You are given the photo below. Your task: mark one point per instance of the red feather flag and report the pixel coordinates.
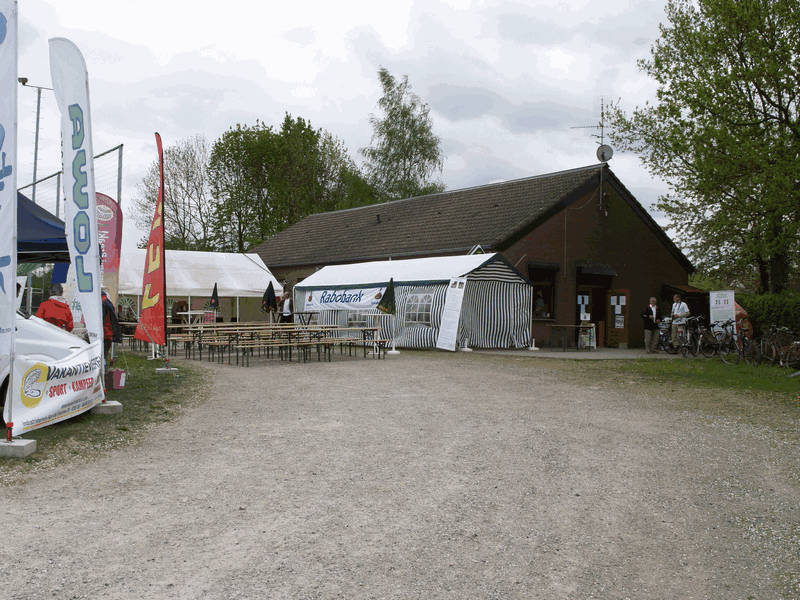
(152, 325)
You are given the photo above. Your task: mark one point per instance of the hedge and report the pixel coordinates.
(772, 309)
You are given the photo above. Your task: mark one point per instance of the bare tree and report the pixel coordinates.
(189, 207)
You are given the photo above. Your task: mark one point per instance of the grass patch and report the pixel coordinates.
(713, 373)
(147, 398)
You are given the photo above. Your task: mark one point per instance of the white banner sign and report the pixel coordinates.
(448, 327)
(48, 392)
(722, 306)
(71, 85)
(343, 299)
(8, 176)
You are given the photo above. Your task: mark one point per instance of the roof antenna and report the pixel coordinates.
(604, 151)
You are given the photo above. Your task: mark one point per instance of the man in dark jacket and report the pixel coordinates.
(651, 316)
(111, 329)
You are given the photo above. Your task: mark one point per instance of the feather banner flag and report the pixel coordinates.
(152, 325)
(8, 185)
(71, 87)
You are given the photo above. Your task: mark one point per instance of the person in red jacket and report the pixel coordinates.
(55, 309)
(111, 328)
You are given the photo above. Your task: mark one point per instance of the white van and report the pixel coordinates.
(41, 341)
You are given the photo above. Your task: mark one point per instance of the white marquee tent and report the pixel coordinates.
(192, 273)
(495, 313)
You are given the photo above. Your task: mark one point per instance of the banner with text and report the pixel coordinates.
(343, 299)
(109, 227)
(451, 315)
(52, 391)
(152, 325)
(8, 175)
(71, 86)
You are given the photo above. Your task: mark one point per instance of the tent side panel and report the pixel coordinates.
(496, 314)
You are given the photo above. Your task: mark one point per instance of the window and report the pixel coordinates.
(418, 309)
(544, 292)
(356, 319)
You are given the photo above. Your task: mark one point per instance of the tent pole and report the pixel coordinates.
(237, 309)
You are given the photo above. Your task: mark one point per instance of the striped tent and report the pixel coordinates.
(495, 312)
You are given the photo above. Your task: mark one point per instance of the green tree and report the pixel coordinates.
(189, 207)
(404, 153)
(724, 134)
(266, 180)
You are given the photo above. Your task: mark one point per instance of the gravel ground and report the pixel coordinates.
(428, 475)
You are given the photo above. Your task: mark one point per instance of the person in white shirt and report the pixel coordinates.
(286, 313)
(679, 313)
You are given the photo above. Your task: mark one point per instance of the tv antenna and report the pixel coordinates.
(604, 151)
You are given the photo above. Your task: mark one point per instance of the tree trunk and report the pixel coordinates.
(778, 271)
(763, 276)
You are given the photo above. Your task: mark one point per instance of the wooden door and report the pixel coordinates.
(618, 318)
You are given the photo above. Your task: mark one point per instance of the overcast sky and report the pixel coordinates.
(506, 81)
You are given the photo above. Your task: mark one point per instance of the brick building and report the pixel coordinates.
(585, 254)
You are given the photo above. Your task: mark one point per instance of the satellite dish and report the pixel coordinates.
(604, 153)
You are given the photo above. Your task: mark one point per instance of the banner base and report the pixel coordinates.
(17, 448)
(109, 407)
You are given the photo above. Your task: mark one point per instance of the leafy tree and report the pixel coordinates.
(404, 152)
(266, 180)
(188, 204)
(240, 218)
(724, 134)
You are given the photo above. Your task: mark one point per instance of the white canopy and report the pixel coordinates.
(436, 268)
(191, 273)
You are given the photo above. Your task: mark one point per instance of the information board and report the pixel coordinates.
(722, 306)
(448, 328)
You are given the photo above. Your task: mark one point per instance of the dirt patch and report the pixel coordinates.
(428, 475)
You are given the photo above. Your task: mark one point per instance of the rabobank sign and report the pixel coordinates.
(343, 299)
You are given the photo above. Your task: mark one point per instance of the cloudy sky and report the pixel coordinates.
(506, 81)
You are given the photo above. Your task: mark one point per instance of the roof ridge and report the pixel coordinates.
(472, 187)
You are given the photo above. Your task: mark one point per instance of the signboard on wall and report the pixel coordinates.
(448, 328)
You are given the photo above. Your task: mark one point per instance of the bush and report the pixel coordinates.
(772, 309)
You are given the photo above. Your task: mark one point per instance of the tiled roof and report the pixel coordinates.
(448, 222)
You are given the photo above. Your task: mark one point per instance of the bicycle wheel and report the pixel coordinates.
(751, 352)
(729, 352)
(708, 345)
(793, 357)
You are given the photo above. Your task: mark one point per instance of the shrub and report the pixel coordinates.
(772, 309)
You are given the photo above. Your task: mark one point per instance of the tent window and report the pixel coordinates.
(356, 319)
(418, 309)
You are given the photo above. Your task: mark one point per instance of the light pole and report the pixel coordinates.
(39, 88)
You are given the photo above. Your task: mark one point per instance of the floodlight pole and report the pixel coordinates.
(39, 88)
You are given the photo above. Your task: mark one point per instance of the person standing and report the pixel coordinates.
(111, 329)
(679, 313)
(651, 317)
(55, 309)
(286, 311)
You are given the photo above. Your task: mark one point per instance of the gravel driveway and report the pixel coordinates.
(428, 475)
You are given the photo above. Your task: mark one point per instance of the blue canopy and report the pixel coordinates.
(40, 235)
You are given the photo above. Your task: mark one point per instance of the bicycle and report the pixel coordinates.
(728, 343)
(707, 344)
